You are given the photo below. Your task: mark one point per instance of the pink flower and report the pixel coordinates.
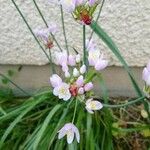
(61, 58)
(52, 28)
(55, 80)
(71, 131)
(88, 86)
(71, 60)
(96, 59)
(101, 64)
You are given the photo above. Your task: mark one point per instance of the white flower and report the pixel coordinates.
(75, 72)
(55, 80)
(71, 131)
(62, 91)
(146, 74)
(83, 69)
(93, 105)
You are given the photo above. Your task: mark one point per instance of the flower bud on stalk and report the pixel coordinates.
(146, 78)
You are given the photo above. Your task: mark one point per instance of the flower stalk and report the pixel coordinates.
(63, 27)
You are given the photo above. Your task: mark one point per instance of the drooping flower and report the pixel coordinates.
(96, 59)
(71, 131)
(146, 74)
(92, 105)
(44, 35)
(62, 91)
(146, 78)
(55, 80)
(88, 86)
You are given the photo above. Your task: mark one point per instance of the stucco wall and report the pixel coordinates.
(126, 21)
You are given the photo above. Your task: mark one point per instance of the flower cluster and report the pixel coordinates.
(146, 78)
(82, 10)
(45, 35)
(77, 83)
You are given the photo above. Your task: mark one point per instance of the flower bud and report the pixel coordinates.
(75, 72)
(83, 69)
(78, 58)
(71, 60)
(67, 74)
(80, 81)
(81, 91)
(55, 80)
(88, 86)
(65, 67)
(144, 113)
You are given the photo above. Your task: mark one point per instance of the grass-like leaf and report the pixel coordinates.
(45, 124)
(109, 42)
(18, 119)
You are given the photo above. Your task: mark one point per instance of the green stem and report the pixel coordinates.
(84, 47)
(53, 68)
(30, 29)
(64, 31)
(90, 78)
(126, 104)
(2, 75)
(99, 13)
(46, 23)
(75, 109)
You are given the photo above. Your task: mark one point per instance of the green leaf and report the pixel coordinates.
(58, 125)
(109, 42)
(88, 130)
(18, 119)
(45, 124)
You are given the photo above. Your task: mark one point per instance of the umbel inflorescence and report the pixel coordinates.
(77, 84)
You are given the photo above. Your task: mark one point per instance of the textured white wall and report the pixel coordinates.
(126, 21)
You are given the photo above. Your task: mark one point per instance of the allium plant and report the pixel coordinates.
(70, 108)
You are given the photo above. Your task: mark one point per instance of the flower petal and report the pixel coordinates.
(70, 137)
